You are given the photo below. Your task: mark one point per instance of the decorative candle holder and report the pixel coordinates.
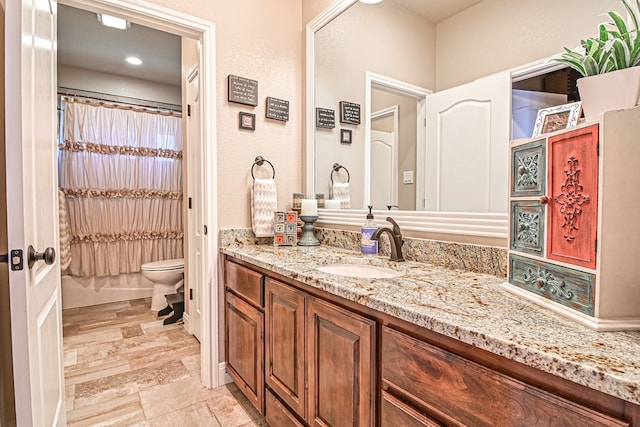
(308, 238)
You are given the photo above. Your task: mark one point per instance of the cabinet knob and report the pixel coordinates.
(521, 170)
(544, 200)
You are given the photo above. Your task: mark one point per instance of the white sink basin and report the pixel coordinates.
(363, 271)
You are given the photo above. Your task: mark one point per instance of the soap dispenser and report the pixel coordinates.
(368, 246)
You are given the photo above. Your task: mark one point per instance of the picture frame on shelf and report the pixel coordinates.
(557, 118)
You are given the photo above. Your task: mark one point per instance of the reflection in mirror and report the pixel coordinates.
(392, 41)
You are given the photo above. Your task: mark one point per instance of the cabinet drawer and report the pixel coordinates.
(277, 415)
(396, 413)
(527, 227)
(244, 282)
(528, 172)
(457, 391)
(571, 288)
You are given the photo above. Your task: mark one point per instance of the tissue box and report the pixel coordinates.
(285, 228)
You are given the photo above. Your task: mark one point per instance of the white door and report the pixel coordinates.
(384, 170)
(32, 212)
(468, 146)
(195, 274)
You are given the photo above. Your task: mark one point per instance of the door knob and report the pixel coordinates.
(48, 256)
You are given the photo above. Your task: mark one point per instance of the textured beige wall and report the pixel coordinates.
(384, 39)
(260, 40)
(497, 35)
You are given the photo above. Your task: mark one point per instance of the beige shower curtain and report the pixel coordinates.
(121, 172)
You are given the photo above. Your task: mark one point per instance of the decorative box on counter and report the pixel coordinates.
(285, 228)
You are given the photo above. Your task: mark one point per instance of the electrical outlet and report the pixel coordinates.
(407, 177)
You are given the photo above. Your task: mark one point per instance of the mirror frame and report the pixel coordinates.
(473, 225)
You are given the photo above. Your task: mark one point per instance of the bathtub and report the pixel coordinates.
(86, 291)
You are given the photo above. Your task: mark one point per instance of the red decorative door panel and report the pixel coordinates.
(573, 197)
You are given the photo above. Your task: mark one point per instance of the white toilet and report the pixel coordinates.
(166, 276)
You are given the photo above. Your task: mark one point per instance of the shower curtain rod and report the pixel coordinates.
(64, 91)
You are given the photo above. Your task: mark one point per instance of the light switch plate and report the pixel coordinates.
(407, 177)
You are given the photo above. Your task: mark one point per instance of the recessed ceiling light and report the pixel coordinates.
(133, 60)
(370, 1)
(113, 22)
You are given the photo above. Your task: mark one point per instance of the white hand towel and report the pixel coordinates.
(264, 202)
(65, 232)
(341, 192)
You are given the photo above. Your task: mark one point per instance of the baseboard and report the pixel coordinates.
(223, 377)
(187, 324)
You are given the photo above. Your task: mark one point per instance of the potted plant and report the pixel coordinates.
(609, 65)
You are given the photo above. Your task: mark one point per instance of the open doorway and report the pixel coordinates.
(156, 91)
(184, 25)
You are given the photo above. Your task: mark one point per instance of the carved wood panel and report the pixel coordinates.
(573, 198)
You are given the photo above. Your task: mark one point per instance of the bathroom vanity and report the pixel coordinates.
(431, 347)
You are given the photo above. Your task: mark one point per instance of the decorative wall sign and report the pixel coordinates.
(349, 113)
(345, 136)
(277, 109)
(247, 121)
(242, 90)
(325, 118)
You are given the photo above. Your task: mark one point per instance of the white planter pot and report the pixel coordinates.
(610, 91)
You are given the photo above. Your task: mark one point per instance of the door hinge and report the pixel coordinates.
(191, 293)
(14, 259)
(206, 230)
(188, 110)
(190, 200)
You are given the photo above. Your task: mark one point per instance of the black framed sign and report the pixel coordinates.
(325, 118)
(349, 113)
(277, 109)
(242, 90)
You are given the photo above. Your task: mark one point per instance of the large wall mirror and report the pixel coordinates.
(386, 57)
(381, 58)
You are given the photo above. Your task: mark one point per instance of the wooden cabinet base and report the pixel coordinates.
(277, 415)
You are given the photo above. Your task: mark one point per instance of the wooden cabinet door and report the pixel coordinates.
(341, 366)
(245, 349)
(285, 344)
(573, 198)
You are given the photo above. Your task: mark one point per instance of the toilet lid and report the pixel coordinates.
(167, 264)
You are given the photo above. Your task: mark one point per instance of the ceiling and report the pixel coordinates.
(84, 43)
(437, 10)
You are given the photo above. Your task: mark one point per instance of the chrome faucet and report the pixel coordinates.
(395, 239)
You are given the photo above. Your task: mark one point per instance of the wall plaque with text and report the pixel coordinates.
(277, 109)
(325, 118)
(243, 90)
(349, 113)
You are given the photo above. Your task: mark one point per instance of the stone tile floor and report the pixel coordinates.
(124, 368)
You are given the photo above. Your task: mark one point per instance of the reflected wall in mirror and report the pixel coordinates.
(392, 41)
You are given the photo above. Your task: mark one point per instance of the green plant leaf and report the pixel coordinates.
(621, 54)
(576, 65)
(632, 13)
(590, 66)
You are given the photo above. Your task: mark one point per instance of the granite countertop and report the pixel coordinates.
(472, 308)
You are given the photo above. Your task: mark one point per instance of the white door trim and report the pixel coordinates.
(392, 111)
(171, 21)
(378, 81)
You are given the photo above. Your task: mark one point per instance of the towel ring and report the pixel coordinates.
(336, 167)
(260, 161)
